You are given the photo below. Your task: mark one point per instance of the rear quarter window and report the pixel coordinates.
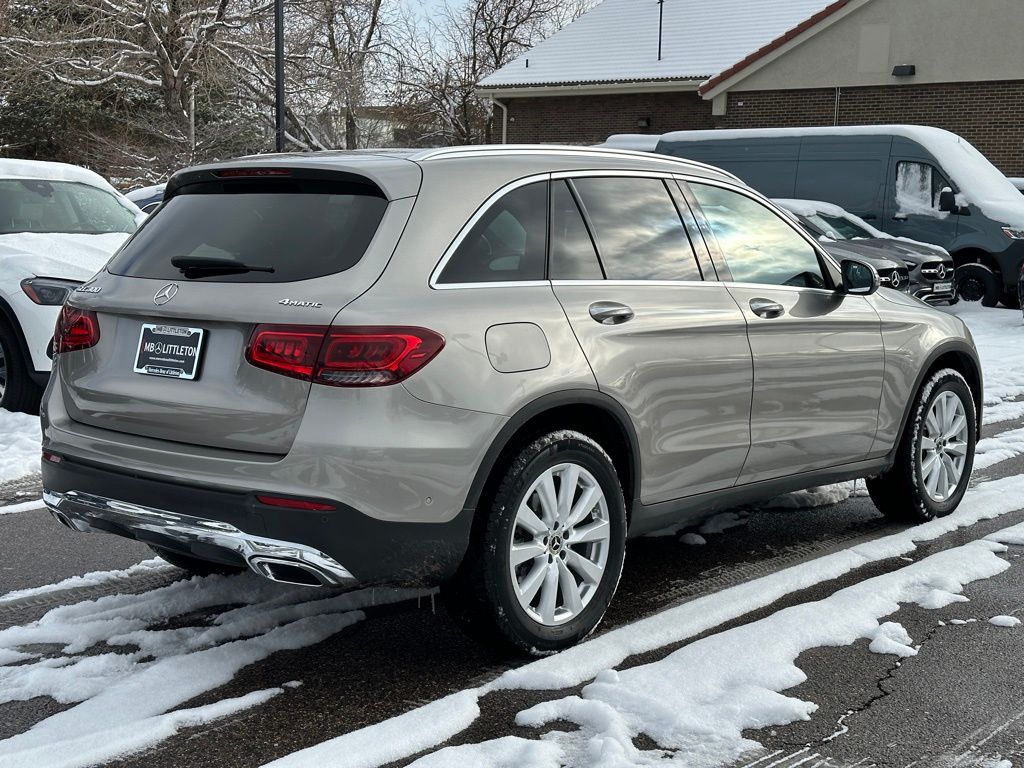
(299, 229)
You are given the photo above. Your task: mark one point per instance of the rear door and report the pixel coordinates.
(818, 355)
(171, 362)
(670, 346)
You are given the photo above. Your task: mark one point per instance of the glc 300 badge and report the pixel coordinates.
(296, 303)
(88, 289)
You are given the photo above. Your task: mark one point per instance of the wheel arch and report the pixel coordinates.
(973, 255)
(591, 412)
(959, 356)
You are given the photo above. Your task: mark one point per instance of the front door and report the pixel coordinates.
(818, 355)
(668, 346)
(912, 203)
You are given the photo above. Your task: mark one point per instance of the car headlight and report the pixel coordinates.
(48, 291)
(1014, 233)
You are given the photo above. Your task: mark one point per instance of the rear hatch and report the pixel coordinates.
(233, 251)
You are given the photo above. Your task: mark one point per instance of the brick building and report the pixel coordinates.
(644, 66)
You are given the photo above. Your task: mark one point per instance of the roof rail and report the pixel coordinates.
(558, 149)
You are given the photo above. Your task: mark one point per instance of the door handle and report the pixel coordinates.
(610, 312)
(767, 308)
(900, 217)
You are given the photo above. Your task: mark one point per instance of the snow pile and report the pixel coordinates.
(126, 673)
(1005, 621)
(1001, 447)
(21, 436)
(696, 702)
(817, 496)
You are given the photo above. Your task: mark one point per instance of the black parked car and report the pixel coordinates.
(929, 267)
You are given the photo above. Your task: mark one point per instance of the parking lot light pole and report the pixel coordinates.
(279, 73)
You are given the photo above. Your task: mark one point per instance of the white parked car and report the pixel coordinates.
(59, 224)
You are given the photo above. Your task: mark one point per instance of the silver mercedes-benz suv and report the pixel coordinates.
(484, 368)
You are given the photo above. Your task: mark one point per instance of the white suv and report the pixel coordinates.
(58, 226)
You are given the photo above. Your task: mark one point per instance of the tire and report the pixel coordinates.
(1011, 299)
(195, 565)
(976, 282)
(493, 600)
(902, 493)
(17, 390)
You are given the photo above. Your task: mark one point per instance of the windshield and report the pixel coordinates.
(35, 205)
(839, 226)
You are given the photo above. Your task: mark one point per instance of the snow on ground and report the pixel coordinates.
(127, 662)
(998, 336)
(21, 438)
(697, 701)
(23, 506)
(146, 567)
(1005, 621)
(602, 725)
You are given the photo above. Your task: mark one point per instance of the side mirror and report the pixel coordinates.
(947, 201)
(859, 279)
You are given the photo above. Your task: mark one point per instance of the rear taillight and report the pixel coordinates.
(290, 350)
(76, 329)
(363, 356)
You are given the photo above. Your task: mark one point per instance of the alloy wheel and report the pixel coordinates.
(943, 450)
(560, 544)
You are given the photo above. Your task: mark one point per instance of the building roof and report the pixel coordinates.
(617, 41)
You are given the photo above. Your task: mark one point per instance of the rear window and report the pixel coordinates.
(297, 229)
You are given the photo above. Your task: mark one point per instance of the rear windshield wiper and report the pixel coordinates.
(200, 265)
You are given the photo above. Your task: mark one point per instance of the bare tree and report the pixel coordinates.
(148, 46)
(437, 64)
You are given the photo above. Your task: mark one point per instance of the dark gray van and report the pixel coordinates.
(909, 181)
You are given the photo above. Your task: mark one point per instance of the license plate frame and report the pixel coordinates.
(169, 351)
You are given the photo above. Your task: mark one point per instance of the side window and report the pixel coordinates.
(757, 245)
(507, 243)
(918, 186)
(573, 255)
(637, 228)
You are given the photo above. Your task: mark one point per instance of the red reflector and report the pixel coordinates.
(53, 458)
(372, 356)
(237, 173)
(76, 329)
(290, 350)
(279, 501)
(359, 356)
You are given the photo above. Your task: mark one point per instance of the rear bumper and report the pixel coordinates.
(340, 548)
(85, 512)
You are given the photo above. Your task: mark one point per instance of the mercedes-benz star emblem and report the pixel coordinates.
(165, 294)
(941, 271)
(895, 280)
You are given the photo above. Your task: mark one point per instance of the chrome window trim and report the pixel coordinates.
(612, 172)
(671, 283)
(467, 228)
(494, 284)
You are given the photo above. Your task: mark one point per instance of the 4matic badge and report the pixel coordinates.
(297, 303)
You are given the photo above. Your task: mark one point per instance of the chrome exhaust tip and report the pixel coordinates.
(289, 572)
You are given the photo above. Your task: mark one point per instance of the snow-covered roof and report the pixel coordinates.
(617, 41)
(39, 169)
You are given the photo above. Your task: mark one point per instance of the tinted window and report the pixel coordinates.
(507, 243)
(34, 205)
(757, 245)
(573, 256)
(299, 229)
(638, 230)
